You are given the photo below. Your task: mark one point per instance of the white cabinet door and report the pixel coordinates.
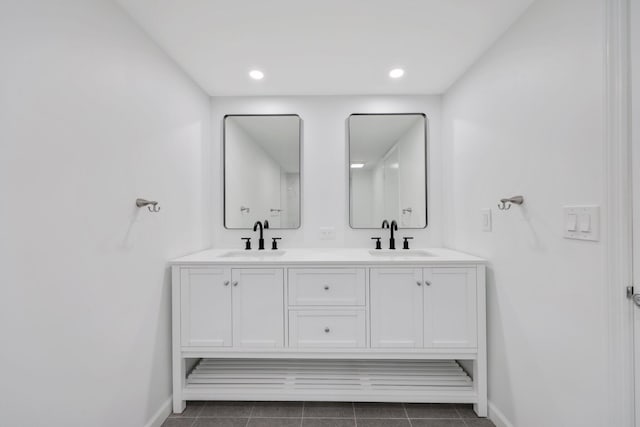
(450, 312)
(396, 307)
(205, 307)
(258, 307)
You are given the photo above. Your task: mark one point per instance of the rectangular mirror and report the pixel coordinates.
(262, 170)
(388, 173)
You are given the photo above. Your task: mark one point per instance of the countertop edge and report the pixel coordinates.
(213, 257)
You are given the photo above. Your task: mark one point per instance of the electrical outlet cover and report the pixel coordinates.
(327, 233)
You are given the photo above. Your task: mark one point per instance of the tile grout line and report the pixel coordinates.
(253, 405)
(253, 408)
(404, 406)
(458, 412)
(195, 419)
(312, 418)
(355, 419)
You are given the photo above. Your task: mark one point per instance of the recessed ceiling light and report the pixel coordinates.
(256, 74)
(357, 165)
(396, 73)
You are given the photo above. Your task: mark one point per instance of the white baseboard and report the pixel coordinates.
(161, 415)
(498, 417)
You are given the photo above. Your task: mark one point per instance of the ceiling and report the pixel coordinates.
(328, 47)
(278, 136)
(372, 136)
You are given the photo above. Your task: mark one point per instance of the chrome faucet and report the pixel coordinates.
(393, 227)
(257, 225)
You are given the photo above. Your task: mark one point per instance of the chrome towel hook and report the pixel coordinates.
(505, 204)
(152, 205)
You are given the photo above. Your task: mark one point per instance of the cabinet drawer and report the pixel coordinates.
(327, 286)
(327, 328)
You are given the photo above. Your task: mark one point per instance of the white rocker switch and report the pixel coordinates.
(572, 222)
(585, 223)
(486, 219)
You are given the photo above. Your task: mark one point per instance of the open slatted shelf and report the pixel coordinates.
(335, 380)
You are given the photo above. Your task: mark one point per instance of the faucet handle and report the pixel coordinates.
(378, 244)
(247, 243)
(405, 245)
(274, 244)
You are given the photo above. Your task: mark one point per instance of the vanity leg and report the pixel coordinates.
(480, 364)
(480, 374)
(179, 364)
(179, 371)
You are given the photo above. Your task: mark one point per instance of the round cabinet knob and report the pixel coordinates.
(226, 283)
(428, 283)
(326, 287)
(327, 330)
(418, 283)
(235, 283)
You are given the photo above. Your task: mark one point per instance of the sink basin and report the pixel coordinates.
(400, 253)
(253, 254)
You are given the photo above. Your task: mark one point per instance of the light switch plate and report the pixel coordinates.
(582, 222)
(485, 219)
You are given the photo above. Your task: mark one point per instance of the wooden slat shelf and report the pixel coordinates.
(349, 380)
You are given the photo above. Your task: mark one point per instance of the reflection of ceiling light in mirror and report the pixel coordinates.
(357, 165)
(256, 74)
(394, 166)
(396, 73)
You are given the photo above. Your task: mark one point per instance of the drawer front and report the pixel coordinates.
(326, 286)
(327, 328)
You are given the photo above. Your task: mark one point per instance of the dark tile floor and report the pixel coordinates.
(325, 414)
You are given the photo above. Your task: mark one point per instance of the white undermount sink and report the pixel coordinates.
(253, 254)
(401, 253)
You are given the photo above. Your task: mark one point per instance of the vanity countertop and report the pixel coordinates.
(327, 256)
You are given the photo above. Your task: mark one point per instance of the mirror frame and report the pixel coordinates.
(426, 164)
(224, 166)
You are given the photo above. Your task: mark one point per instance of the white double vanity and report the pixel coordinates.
(330, 325)
(368, 325)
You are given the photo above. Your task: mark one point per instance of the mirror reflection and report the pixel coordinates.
(387, 180)
(262, 170)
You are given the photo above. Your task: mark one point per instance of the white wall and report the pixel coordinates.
(527, 119)
(324, 169)
(635, 70)
(635, 168)
(92, 115)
